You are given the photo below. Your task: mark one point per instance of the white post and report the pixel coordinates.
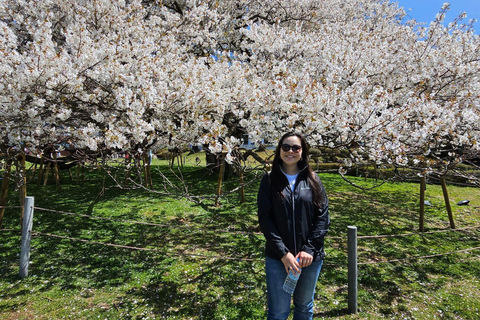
(26, 236)
(352, 270)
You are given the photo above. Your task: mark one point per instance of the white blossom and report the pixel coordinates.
(130, 75)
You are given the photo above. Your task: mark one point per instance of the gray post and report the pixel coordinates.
(26, 236)
(352, 270)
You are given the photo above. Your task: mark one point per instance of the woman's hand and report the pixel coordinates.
(304, 259)
(291, 264)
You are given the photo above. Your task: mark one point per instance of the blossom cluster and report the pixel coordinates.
(136, 75)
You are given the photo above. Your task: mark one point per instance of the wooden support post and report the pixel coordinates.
(149, 169)
(447, 202)
(128, 165)
(23, 181)
(145, 169)
(220, 179)
(173, 157)
(80, 172)
(422, 204)
(242, 189)
(41, 171)
(47, 172)
(56, 170)
(5, 183)
(34, 171)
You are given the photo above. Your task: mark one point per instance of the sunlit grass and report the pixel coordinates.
(193, 260)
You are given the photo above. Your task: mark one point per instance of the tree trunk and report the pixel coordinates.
(5, 183)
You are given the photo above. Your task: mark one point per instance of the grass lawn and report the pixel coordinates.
(180, 259)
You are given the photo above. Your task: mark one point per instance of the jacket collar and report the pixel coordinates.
(300, 172)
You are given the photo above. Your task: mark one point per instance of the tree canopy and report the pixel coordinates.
(135, 75)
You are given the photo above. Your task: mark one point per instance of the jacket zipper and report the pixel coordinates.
(293, 215)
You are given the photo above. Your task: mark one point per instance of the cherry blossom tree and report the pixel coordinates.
(128, 76)
(393, 92)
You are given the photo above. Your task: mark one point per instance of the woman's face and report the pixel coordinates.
(292, 155)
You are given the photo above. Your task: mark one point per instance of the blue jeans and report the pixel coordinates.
(279, 300)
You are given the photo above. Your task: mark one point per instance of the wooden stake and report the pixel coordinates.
(220, 179)
(56, 171)
(422, 204)
(40, 172)
(23, 183)
(149, 171)
(34, 171)
(145, 169)
(447, 202)
(78, 172)
(47, 172)
(242, 189)
(128, 164)
(5, 183)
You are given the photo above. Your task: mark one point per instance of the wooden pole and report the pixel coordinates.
(47, 172)
(145, 170)
(422, 204)
(242, 189)
(78, 172)
(220, 179)
(23, 182)
(26, 236)
(34, 171)
(128, 164)
(41, 171)
(173, 156)
(5, 183)
(447, 202)
(56, 170)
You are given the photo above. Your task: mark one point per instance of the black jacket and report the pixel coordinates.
(292, 223)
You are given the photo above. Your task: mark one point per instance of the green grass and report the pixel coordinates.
(204, 262)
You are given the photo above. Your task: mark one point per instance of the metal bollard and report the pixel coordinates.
(352, 270)
(26, 236)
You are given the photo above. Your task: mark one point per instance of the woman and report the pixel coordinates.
(293, 216)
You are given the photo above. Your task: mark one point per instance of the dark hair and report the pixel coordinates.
(277, 180)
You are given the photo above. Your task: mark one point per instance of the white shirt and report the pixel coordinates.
(291, 179)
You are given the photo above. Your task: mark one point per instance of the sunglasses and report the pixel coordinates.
(287, 147)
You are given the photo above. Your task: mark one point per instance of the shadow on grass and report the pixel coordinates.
(186, 287)
(159, 278)
(175, 284)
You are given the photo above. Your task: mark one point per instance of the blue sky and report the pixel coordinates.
(426, 10)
